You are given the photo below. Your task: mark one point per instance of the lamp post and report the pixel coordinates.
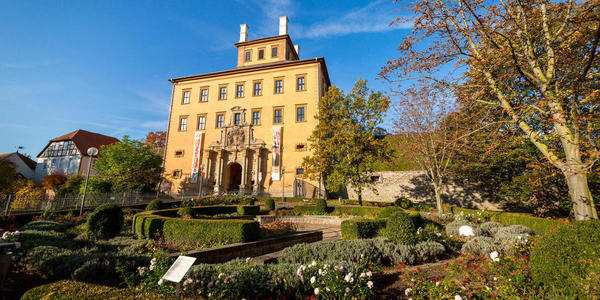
(283, 184)
(91, 152)
(200, 181)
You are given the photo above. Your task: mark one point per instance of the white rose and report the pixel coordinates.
(494, 256)
(316, 291)
(458, 297)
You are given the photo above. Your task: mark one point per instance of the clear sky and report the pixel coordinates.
(103, 66)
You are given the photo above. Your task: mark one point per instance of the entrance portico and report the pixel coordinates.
(236, 162)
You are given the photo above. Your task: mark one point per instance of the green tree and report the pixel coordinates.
(129, 165)
(345, 143)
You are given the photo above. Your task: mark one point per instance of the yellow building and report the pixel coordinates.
(245, 130)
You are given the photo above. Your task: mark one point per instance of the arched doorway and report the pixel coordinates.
(234, 176)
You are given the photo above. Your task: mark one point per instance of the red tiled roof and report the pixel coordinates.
(28, 161)
(84, 140)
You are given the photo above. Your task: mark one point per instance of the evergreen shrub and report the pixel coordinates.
(361, 228)
(105, 222)
(248, 210)
(400, 228)
(567, 261)
(155, 204)
(186, 212)
(270, 204)
(321, 207)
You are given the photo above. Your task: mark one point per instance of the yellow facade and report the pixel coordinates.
(236, 153)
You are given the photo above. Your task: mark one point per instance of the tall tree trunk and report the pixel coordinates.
(583, 203)
(360, 196)
(437, 190)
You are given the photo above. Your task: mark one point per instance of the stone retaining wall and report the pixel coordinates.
(251, 249)
(314, 220)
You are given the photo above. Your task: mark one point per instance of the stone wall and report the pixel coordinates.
(414, 185)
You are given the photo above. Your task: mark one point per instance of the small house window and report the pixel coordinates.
(257, 88)
(278, 86)
(277, 116)
(237, 119)
(179, 153)
(183, 124)
(222, 93)
(375, 178)
(176, 173)
(300, 147)
(186, 97)
(274, 52)
(248, 55)
(261, 54)
(204, 95)
(256, 118)
(300, 84)
(201, 122)
(239, 91)
(299, 114)
(299, 171)
(220, 120)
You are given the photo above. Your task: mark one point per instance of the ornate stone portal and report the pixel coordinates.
(236, 162)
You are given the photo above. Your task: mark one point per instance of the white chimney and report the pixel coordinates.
(283, 25)
(243, 33)
(297, 47)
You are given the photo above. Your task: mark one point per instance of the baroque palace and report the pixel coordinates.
(245, 130)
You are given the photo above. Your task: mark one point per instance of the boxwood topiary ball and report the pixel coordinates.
(567, 261)
(270, 204)
(400, 228)
(105, 222)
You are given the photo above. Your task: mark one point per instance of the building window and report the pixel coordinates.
(273, 51)
(277, 115)
(300, 147)
(237, 119)
(203, 95)
(176, 173)
(239, 90)
(201, 122)
(248, 55)
(223, 93)
(220, 118)
(278, 86)
(375, 178)
(183, 124)
(186, 97)
(257, 88)
(256, 118)
(261, 53)
(299, 171)
(300, 83)
(300, 114)
(179, 153)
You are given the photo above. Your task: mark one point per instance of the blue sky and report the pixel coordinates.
(103, 65)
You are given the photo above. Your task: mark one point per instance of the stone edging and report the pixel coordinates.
(315, 220)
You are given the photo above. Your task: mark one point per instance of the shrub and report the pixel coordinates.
(210, 231)
(105, 222)
(46, 225)
(429, 251)
(155, 204)
(248, 210)
(512, 234)
(361, 228)
(68, 289)
(321, 207)
(33, 238)
(270, 204)
(567, 261)
(186, 212)
(490, 228)
(387, 212)
(452, 227)
(400, 228)
(403, 203)
(481, 246)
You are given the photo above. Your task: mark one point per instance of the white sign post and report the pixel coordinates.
(178, 270)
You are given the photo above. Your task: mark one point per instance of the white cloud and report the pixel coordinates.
(374, 17)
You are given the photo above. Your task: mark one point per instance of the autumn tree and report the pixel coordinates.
(427, 116)
(129, 165)
(7, 177)
(54, 181)
(156, 140)
(345, 143)
(533, 63)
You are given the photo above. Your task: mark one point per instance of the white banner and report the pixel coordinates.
(196, 156)
(276, 166)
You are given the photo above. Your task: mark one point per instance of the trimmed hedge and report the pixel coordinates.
(69, 289)
(270, 204)
(361, 228)
(105, 221)
(248, 210)
(567, 261)
(149, 224)
(155, 204)
(400, 228)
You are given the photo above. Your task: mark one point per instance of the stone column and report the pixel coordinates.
(209, 162)
(219, 172)
(256, 188)
(245, 169)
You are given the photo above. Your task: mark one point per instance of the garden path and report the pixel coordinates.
(330, 233)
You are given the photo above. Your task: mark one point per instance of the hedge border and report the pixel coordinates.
(361, 228)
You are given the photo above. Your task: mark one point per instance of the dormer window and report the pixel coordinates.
(248, 55)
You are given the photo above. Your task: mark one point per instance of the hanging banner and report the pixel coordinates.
(276, 166)
(196, 156)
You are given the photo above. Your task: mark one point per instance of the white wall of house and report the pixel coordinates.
(20, 166)
(68, 165)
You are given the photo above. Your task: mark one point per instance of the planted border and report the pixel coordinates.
(361, 228)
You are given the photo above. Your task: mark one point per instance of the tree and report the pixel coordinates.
(533, 63)
(54, 181)
(7, 177)
(428, 118)
(156, 140)
(345, 143)
(130, 165)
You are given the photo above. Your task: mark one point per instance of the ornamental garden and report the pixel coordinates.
(391, 251)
